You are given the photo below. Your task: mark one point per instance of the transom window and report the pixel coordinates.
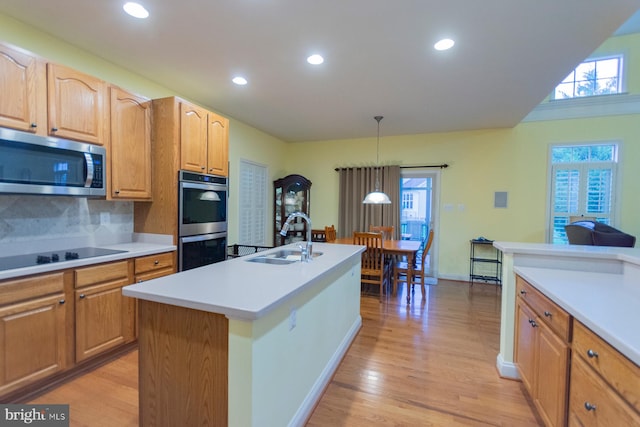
(601, 76)
(582, 185)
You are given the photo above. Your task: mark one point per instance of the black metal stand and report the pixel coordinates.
(483, 253)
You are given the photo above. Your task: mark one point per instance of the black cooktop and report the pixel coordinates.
(29, 260)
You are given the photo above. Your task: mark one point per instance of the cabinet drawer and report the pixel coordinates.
(143, 277)
(593, 403)
(154, 262)
(548, 311)
(101, 273)
(31, 287)
(620, 372)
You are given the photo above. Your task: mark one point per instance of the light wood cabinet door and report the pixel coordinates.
(552, 376)
(193, 138)
(77, 105)
(525, 345)
(218, 145)
(32, 341)
(22, 85)
(105, 318)
(130, 146)
(542, 352)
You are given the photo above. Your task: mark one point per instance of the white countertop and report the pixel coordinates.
(133, 250)
(241, 289)
(608, 304)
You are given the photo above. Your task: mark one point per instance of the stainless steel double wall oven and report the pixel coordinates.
(202, 219)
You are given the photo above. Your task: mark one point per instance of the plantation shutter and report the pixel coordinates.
(253, 204)
(584, 189)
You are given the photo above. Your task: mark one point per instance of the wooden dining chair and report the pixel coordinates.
(318, 235)
(387, 231)
(401, 269)
(330, 233)
(373, 268)
(388, 234)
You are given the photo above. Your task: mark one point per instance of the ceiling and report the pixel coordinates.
(379, 56)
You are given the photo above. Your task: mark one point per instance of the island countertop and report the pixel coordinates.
(244, 290)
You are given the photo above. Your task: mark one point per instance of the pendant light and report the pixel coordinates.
(377, 197)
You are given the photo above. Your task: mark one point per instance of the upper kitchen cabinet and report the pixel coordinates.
(77, 105)
(130, 159)
(218, 145)
(23, 89)
(193, 138)
(204, 140)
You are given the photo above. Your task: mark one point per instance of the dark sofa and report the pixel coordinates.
(597, 234)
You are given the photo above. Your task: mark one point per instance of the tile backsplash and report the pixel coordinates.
(27, 218)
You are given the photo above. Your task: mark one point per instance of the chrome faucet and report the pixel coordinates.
(307, 251)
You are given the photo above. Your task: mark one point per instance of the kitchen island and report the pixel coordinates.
(597, 285)
(245, 343)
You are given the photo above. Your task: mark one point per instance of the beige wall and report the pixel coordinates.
(481, 162)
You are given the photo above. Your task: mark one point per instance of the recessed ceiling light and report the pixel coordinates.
(444, 44)
(239, 80)
(136, 10)
(315, 59)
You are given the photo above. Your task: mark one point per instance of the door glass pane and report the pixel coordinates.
(415, 214)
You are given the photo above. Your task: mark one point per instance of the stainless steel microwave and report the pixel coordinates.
(33, 164)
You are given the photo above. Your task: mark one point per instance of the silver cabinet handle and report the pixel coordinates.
(589, 406)
(61, 301)
(592, 353)
(156, 262)
(523, 292)
(82, 296)
(54, 129)
(33, 125)
(547, 314)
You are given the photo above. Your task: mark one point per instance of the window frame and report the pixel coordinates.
(616, 190)
(622, 77)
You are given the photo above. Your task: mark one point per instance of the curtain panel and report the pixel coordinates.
(355, 183)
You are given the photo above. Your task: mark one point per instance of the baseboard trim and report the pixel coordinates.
(315, 394)
(506, 369)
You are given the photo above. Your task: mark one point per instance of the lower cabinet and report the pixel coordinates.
(542, 352)
(105, 318)
(52, 322)
(154, 266)
(574, 377)
(605, 386)
(33, 336)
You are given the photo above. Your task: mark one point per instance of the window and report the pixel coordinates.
(252, 203)
(407, 200)
(602, 76)
(583, 184)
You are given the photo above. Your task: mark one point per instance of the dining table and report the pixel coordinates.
(393, 249)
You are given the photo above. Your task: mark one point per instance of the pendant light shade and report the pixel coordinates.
(377, 197)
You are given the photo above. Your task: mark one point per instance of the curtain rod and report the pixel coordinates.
(442, 166)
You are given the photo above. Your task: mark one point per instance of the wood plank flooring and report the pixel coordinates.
(429, 363)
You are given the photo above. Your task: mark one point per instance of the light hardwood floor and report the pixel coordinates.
(429, 363)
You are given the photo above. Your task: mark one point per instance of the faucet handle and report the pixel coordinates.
(304, 253)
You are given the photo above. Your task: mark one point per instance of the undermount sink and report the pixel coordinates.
(282, 257)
